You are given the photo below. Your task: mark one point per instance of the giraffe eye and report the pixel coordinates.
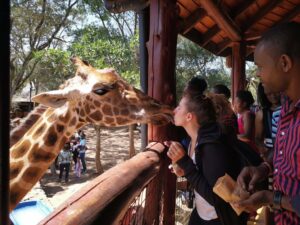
(101, 91)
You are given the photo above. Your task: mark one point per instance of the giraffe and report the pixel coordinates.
(92, 96)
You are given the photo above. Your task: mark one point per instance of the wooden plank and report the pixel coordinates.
(221, 18)
(162, 86)
(188, 23)
(291, 15)
(260, 14)
(90, 202)
(238, 68)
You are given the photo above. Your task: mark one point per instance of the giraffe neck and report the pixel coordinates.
(17, 133)
(33, 154)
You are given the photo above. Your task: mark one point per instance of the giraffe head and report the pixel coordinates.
(102, 97)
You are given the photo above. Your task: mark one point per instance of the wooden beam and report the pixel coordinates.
(206, 37)
(221, 18)
(195, 36)
(187, 24)
(252, 36)
(242, 8)
(260, 14)
(224, 45)
(238, 76)
(291, 15)
(215, 29)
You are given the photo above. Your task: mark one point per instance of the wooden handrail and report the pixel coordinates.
(106, 199)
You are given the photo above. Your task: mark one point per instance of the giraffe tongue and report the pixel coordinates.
(162, 119)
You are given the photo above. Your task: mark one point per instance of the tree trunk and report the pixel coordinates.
(98, 150)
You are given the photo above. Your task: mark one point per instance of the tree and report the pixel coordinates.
(36, 26)
(193, 60)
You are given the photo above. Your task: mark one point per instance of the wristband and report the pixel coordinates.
(277, 200)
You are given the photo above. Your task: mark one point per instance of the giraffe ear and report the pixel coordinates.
(54, 99)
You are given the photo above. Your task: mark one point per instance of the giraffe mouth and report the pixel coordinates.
(162, 119)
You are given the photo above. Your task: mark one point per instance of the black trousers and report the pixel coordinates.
(195, 219)
(62, 167)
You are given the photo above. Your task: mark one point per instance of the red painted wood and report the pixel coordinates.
(161, 86)
(238, 76)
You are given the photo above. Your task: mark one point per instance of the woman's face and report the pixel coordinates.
(180, 113)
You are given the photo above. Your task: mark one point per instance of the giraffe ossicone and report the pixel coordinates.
(93, 96)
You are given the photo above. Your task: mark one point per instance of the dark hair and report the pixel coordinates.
(245, 96)
(197, 102)
(262, 97)
(284, 39)
(222, 89)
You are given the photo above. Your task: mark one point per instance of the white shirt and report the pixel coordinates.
(205, 210)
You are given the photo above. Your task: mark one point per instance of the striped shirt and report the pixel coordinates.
(287, 160)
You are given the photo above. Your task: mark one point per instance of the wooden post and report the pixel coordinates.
(238, 76)
(161, 86)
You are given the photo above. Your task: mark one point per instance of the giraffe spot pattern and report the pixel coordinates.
(124, 112)
(133, 108)
(39, 155)
(51, 138)
(52, 118)
(109, 120)
(14, 195)
(65, 118)
(116, 111)
(73, 122)
(106, 109)
(92, 107)
(39, 131)
(96, 116)
(121, 120)
(15, 168)
(31, 173)
(32, 120)
(21, 149)
(97, 104)
(82, 113)
(87, 109)
(60, 128)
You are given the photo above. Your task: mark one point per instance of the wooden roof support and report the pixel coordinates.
(210, 34)
(187, 24)
(242, 7)
(291, 15)
(260, 14)
(162, 86)
(223, 45)
(238, 67)
(221, 18)
(215, 29)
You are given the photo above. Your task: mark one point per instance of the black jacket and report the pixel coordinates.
(214, 158)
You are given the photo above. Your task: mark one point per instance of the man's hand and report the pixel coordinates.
(175, 151)
(255, 201)
(251, 176)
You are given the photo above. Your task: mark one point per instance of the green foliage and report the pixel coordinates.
(102, 49)
(195, 61)
(53, 69)
(37, 26)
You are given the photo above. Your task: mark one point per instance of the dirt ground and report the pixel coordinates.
(114, 150)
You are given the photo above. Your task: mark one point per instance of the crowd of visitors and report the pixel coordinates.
(73, 153)
(273, 131)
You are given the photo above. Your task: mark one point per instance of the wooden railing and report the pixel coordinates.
(110, 198)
